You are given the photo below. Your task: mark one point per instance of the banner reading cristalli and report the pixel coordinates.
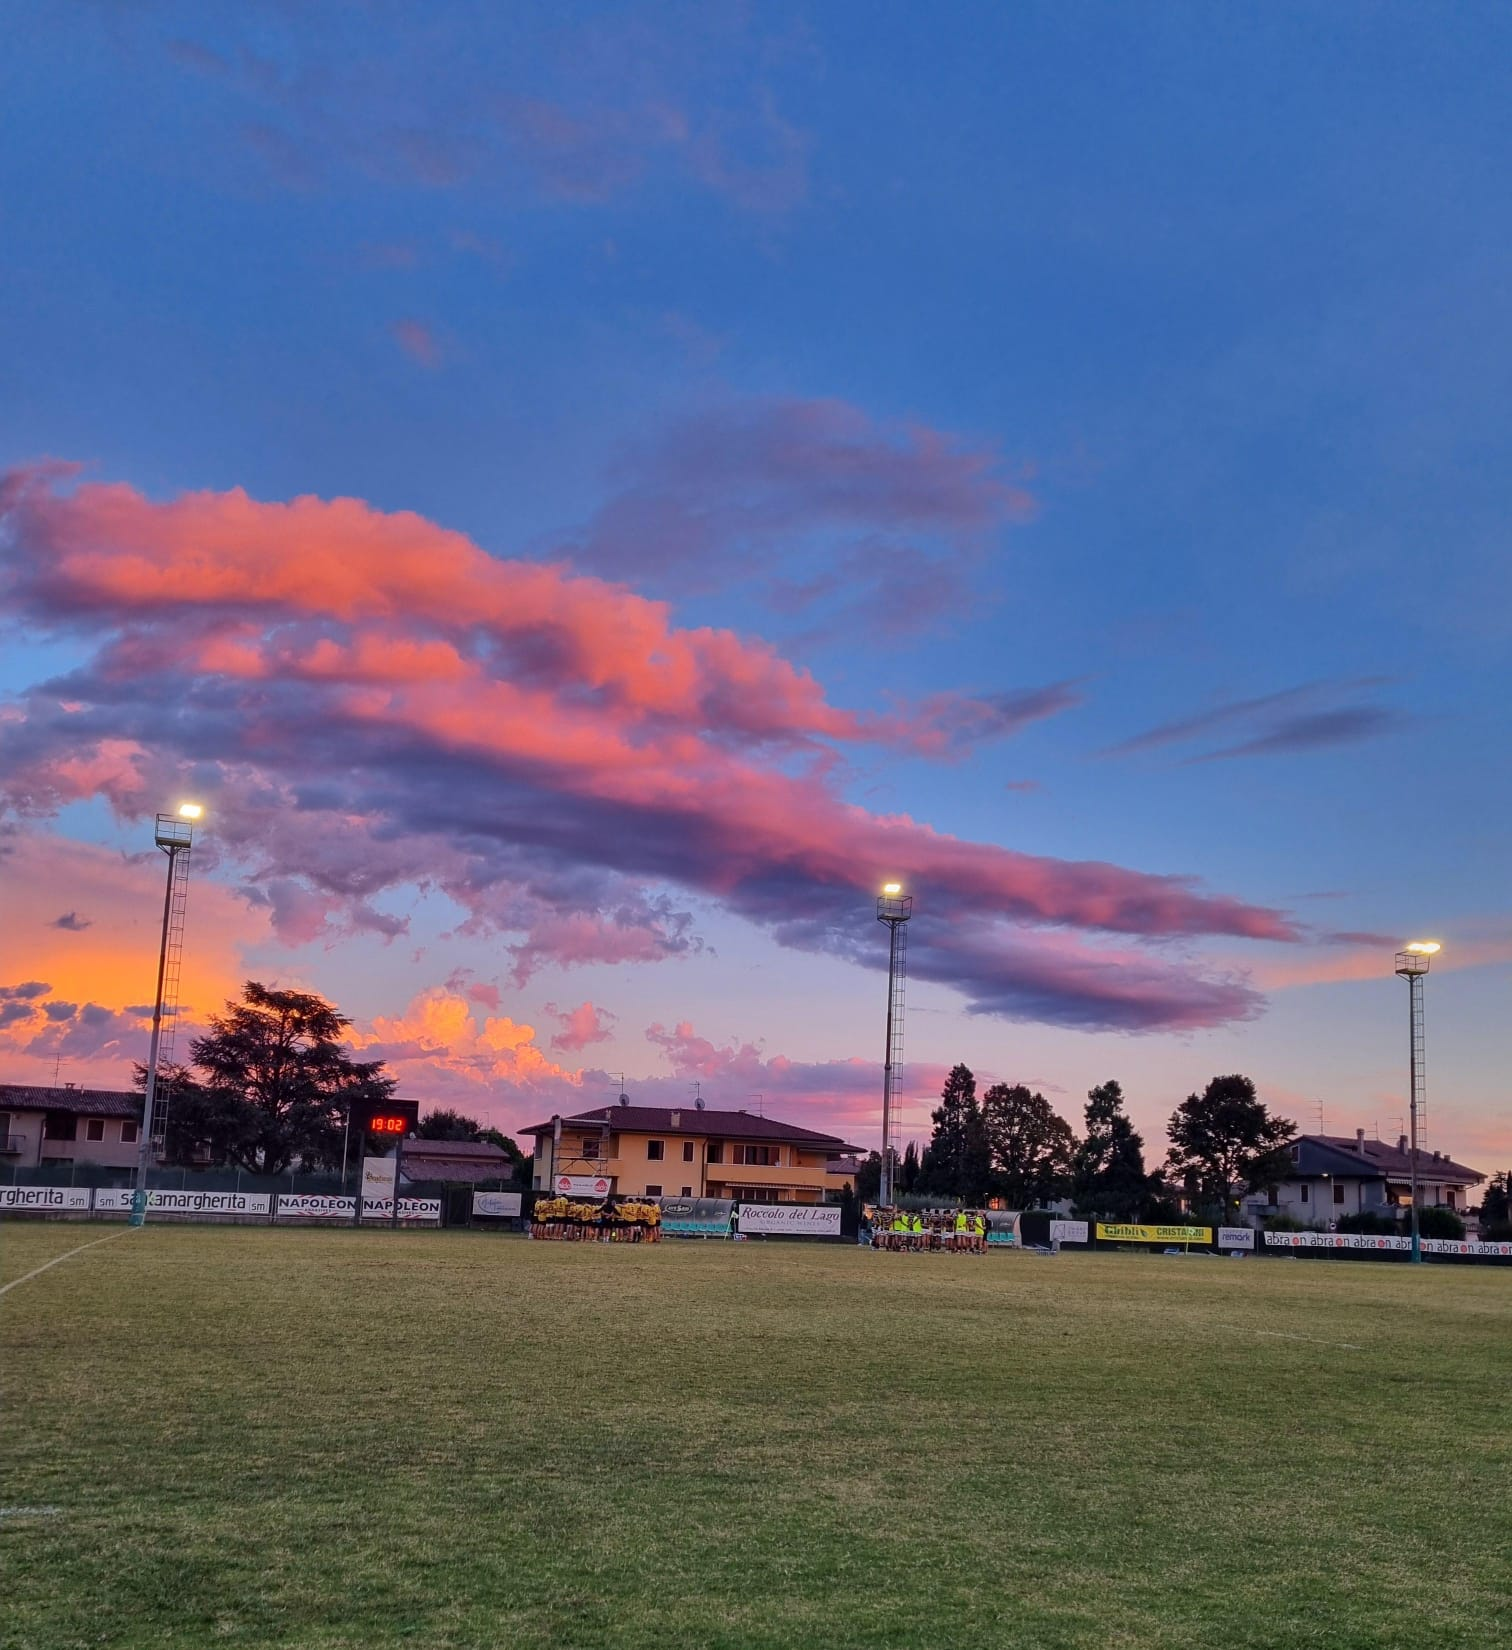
(1110, 1233)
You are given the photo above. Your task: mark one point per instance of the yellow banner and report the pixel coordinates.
(1156, 1234)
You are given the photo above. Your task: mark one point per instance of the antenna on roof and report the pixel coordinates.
(758, 1098)
(57, 1066)
(1319, 1105)
(624, 1099)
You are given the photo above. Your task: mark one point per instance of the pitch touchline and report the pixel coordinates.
(1281, 1335)
(6, 1288)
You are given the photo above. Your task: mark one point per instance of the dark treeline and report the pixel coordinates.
(1011, 1143)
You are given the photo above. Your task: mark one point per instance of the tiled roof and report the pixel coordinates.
(710, 1125)
(456, 1160)
(1339, 1154)
(81, 1102)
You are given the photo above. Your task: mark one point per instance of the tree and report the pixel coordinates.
(869, 1177)
(908, 1173)
(1032, 1148)
(274, 1084)
(445, 1124)
(1496, 1209)
(1224, 1143)
(957, 1161)
(1108, 1176)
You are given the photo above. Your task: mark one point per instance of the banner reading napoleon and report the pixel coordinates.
(1154, 1234)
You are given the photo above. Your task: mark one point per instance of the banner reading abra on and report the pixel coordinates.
(1155, 1234)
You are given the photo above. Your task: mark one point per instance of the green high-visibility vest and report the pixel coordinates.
(961, 1222)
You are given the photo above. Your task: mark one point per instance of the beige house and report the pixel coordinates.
(1334, 1175)
(68, 1125)
(688, 1151)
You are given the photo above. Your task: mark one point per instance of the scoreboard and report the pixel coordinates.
(389, 1119)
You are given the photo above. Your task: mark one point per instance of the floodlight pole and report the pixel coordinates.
(175, 836)
(1412, 966)
(894, 907)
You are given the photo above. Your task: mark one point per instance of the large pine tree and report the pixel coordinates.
(956, 1161)
(1108, 1177)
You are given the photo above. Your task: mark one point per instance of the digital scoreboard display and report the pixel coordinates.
(390, 1119)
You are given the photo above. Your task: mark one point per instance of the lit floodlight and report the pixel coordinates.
(192, 810)
(892, 887)
(1424, 948)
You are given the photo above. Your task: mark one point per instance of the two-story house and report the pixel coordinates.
(689, 1151)
(1334, 1176)
(68, 1125)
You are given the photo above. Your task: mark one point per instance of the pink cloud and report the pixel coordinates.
(418, 341)
(371, 703)
(581, 1026)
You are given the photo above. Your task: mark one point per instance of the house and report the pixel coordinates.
(462, 1162)
(688, 1151)
(1335, 1175)
(68, 1124)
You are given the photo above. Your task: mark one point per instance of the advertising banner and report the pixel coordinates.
(1154, 1234)
(314, 1206)
(496, 1205)
(45, 1199)
(410, 1208)
(792, 1219)
(581, 1185)
(187, 1203)
(378, 1176)
(1334, 1240)
(1068, 1231)
(1464, 1246)
(1236, 1237)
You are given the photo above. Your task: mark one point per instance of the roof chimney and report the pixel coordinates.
(1401, 1142)
(1360, 1141)
(675, 1121)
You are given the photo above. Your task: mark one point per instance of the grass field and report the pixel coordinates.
(244, 1437)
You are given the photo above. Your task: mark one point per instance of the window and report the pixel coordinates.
(1304, 1194)
(653, 1191)
(656, 1150)
(716, 1151)
(128, 1134)
(60, 1125)
(94, 1128)
(687, 1191)
(591, 1148)
(687, 1151)
(1338, 1192)
(1449, 1198)
(766, 1156)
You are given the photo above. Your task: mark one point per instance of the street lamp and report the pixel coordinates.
(1412, 965)
(894, 907)
(174, 834)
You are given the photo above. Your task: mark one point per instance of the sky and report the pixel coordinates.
(584, 494)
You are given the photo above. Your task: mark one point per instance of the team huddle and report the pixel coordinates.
(964, 1232)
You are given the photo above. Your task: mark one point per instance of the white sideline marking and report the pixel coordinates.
(37, 1272)
(1281, 1335)
(29, 1512)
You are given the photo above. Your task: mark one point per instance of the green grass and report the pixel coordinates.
(322, 1439)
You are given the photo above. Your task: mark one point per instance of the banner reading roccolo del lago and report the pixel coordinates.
(798, 1219)
(1155, 1234)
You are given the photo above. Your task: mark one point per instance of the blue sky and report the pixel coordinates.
(1186, 326)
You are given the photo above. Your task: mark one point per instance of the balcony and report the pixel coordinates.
(12, 1145)
(810, 1177)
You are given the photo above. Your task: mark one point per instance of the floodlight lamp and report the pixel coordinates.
(1424, 948)
(192, 810)
(892, 887)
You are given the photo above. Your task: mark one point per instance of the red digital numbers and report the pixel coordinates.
(388, 1125)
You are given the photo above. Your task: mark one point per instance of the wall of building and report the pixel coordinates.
(799, 1177)
(28, 1127)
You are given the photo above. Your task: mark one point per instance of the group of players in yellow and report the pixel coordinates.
(961, 1232)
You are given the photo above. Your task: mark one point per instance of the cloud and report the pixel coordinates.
(964, 720)
(581, 1026)
(1026, 786)
(418, 341)
(371, 704)
(71, 923)
(27, 992)
(1279, 723)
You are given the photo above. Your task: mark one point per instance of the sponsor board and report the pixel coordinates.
(1154, 1234)
(314, 1206)
(695, 1216)
(378, 1176)
(187, 1203)
(497, 1205)
(45, 1199)
(410, 1208)
(1236, 1237)
(797, 1219)
(582, 1185)
(1068, 1231)
(1394, 1245)
(1465, 1246)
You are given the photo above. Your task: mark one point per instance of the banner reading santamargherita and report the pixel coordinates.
(1154, 1234)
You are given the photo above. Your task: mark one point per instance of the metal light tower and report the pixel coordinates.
(175, 836)
(894, 907)
(1412, 965)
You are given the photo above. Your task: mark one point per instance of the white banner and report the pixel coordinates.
(1333, 1240)
(496, 1204)
(801, 1219)
(187, 1203)
(44, 1199)
(1068, 1231)
(1464, 1246)
(410, 1208)
(314, 1206)
(378, 1176)
(1236, 1237)
(581, 1185)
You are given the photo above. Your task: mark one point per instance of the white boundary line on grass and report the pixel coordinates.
(14, 1283)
